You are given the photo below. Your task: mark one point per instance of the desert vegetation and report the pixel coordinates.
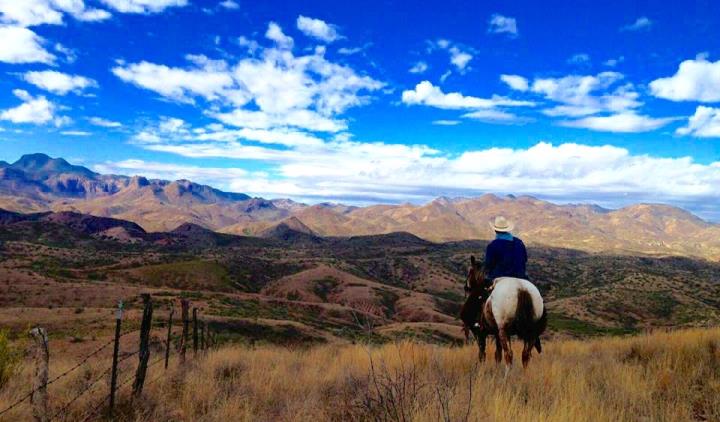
(660, 376)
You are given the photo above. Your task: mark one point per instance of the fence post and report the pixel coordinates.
(39, 397)
(144, 354)
(169, 333)
(195, 332)
(116, 349)
(183, 340)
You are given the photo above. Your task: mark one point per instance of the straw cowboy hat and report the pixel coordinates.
(502, 224)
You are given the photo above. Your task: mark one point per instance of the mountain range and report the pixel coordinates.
(39, 183)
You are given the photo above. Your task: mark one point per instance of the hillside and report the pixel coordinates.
(38, 183)
(332, 288)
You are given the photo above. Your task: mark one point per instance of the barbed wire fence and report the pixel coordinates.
(203, 338)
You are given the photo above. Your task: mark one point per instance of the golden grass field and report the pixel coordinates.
(663, 376)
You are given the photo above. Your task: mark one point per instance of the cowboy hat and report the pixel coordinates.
(501, 224)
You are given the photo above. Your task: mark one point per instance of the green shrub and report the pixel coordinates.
(9, 358)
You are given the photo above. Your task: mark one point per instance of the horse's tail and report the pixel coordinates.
(525, 316)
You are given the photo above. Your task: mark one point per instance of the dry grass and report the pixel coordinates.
(671, 376)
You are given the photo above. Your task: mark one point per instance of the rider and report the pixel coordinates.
(505, 256)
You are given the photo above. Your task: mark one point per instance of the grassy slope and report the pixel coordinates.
(657, 377)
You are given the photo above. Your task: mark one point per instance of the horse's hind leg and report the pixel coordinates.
(505, 343)
(527, 352)
(498, 350)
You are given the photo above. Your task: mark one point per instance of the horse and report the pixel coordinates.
(514, 307)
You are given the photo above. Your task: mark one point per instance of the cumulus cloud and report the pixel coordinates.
(695, 80)
(144, 6)
(57, 82)
(641, 24)
(21, 45)
(99, 121)
(705, 123)
(275, 33)
(382, 172)
(38, 12)
(500, 24)
(625, 122)
(515, 82)
(425, 93)
(460, 56)
(34, 110)
(419, 67)
(205, 78)
(275, 90)
(317, 29)
(229, 4)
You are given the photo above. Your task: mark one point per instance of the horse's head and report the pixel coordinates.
(474, 275)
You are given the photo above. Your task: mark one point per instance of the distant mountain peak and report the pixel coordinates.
(39, 164)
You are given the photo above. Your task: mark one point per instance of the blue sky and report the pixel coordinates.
(611, 103)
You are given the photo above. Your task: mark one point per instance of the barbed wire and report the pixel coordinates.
(83, 361)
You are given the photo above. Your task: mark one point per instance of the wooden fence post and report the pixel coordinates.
(39, 397)
(195, 332)
(144, 354)
(183, 340)
(169, 334)
(116, 349)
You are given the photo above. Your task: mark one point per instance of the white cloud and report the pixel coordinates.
(381, 172)
(275, 90)
(38, 12)
(58, 83)
(705, 123)
(425, 93)
(642, 23)
(229, 4)
(214, 176)
(500, 24)
(144, 6)
(579, 59)
(515, 82)
(208, 79)
(21, 45)
(317, 29)
(419, 67)
(626, 122)
(99, 121)
(614, 62)
(587, 95)
(35, 110)
(75, 133)
(446, 122)
(495, 116)
(460, 56)
(695, 80)
(275, 33)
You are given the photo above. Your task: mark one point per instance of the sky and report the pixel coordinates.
(612, 103)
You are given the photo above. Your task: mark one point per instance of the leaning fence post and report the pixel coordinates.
(144, 354)
(116, 349)
(169, 333)
(39, 397)
(195, 332)
(183, 340)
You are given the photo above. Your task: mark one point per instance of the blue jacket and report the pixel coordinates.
(506, 258)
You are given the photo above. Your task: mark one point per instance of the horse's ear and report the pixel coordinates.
(472, 259)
